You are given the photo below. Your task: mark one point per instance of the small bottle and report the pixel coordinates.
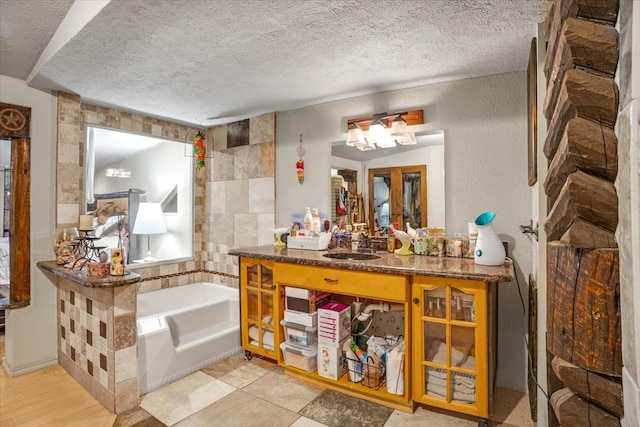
(459, 311)
(429, 312)
(315, 221)
(473, 311)
(391, 240)
(308, 221)
(438, 311)
(361, 355)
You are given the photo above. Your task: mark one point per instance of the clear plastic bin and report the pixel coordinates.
(301, 358)
(300, 335)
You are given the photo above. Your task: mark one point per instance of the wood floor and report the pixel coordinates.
(48, 397)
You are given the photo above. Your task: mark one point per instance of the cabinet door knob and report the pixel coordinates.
(416, 301)
(331, 281)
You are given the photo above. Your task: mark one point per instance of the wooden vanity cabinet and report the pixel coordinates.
(347, 285)
(260, 308)
(451, 344)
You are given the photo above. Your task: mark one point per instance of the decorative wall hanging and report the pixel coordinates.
(195, 146)
(300, 162)
(198, 149)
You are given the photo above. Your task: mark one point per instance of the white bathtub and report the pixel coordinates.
(183, 329)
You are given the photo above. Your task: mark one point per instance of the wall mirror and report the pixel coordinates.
(139, 192)
(428, 152)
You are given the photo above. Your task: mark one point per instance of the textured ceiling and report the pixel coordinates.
(216, 61)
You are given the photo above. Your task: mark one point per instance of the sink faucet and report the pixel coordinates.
(364, 243)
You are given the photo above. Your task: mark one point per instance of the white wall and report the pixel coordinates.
(485, 126)
(30, 332)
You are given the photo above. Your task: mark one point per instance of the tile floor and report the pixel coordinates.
(237, 392)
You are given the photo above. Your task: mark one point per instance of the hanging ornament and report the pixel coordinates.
(198, 149)
(300, 162)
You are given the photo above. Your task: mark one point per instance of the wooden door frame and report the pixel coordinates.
(395, 173)
(15, 124)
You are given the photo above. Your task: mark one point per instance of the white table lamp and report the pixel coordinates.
(149, 220)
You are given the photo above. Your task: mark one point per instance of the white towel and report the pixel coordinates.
(462, 387)
(469, 363)
(267, 337)
(255, 343)
(441, 391)
(466, 380)
(438, 354)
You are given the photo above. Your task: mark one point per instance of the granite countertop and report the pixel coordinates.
(83, 278)
(456, 268)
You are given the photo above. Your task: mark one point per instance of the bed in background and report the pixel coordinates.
(4, 276)
(4, 263)
(108, 208)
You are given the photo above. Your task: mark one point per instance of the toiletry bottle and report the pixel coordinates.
(308, 221)
(361, 355)
(315, 221)
(459, 309)
(438, 311)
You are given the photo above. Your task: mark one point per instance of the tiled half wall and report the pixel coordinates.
(97, 341)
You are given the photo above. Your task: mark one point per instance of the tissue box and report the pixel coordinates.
(319, 243)
(334, 323)
(332, 362)
(304, 319)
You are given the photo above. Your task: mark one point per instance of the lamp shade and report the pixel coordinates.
(398, 127)
(355, 137)
(150, 219)
(376, 133)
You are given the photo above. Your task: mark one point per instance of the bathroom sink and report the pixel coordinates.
(355, 256)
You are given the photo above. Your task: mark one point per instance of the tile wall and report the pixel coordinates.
(234, 195)
(97, 342)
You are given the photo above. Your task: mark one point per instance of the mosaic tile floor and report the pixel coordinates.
(236, 392)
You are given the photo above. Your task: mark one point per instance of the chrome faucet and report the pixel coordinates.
(364, 243)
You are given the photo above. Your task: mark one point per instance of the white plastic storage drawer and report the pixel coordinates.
(300, 335)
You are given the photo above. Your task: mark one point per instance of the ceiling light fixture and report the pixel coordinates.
(385, 130)
(118, 173)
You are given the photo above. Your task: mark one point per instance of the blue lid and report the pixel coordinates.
(485, 218)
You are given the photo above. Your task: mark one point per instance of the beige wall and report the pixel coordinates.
(30, 332)
(628, 187)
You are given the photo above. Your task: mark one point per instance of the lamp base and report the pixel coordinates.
(149, 258)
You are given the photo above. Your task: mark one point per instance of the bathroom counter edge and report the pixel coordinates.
(455, 268)
(82, 277)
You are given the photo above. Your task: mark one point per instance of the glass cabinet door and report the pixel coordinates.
(452, 357)
(257, 299)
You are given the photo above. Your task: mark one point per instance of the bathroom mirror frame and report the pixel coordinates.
(175, 220)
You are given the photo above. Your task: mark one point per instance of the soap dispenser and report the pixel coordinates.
(315, 221)
(308, 221)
